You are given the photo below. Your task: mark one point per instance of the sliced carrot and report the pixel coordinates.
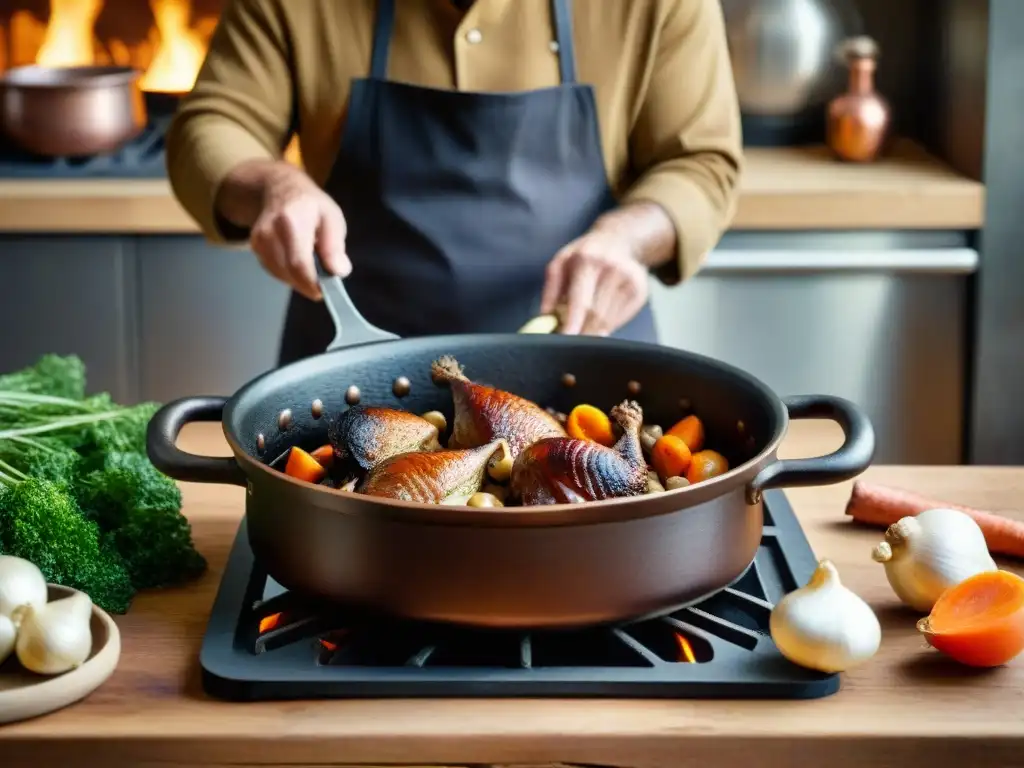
(705, 465)
(324, 455)
(691, 431)
(980, 621)
(302, 466)
(670, 457)
(586, 422)
(882, 506)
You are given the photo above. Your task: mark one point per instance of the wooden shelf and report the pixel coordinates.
(805, 188)
(782, 189)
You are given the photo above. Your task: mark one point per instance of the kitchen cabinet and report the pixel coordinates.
(67, 295)
(209, 318)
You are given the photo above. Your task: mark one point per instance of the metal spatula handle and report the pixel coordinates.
(350, 327)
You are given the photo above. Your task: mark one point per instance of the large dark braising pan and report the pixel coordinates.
(526, 567)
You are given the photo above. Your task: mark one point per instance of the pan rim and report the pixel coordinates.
(602, 511)
(61, 78)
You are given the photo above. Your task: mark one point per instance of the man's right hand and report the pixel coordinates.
(290, 217)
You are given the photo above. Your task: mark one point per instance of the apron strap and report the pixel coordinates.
(382, 39)
(562, 15)
(385, 22)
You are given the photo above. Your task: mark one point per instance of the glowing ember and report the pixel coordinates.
(685, 650)
(273, 621)
(328, 645)
(68, 40)
(181, 51)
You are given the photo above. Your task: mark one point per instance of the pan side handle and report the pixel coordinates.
(852, 458)
(162, 435)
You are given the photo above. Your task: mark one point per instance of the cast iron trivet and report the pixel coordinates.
(264, 643)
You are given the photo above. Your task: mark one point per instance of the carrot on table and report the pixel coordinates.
(303, 466)
(586, 422)
(324, 455)
(882, 506)
(691, 431)
(705, 465)
(980, 621)
(670, 457)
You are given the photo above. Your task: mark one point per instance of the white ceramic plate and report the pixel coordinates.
(24, 694)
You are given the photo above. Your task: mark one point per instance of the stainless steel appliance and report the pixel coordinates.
(879, 318)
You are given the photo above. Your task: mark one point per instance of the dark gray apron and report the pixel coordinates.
(456, 202)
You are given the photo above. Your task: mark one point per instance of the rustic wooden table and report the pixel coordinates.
(906, 707)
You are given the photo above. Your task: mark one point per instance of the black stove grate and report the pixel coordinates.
(265, 643)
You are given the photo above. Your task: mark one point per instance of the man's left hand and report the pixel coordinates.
(596, 282)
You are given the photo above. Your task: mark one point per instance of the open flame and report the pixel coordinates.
(333, 640)
(169, 56)
(68, 38)
(686, 653)
(273, 621)
(181, 51)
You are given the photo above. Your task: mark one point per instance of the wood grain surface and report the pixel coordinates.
(908, 706)
(784, 188)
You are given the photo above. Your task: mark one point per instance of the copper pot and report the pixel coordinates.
(72, 111)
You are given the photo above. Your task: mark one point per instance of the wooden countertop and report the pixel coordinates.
(907, 706)
(799, 188)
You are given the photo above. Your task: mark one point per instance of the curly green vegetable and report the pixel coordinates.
(140, 507)
(51, 375)
(40, 522)
(77, 463)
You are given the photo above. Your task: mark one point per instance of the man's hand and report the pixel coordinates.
(597, 282)
(290, 217)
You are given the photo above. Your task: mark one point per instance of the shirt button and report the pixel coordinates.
(474, 36)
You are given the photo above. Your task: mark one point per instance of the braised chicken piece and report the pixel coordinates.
(561, 470)
(440, 476)
(484, 414)
(368, 435)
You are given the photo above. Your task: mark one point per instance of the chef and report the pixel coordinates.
(468, 164)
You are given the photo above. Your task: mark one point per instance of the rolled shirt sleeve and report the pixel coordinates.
(239, 110)
(686, 144)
